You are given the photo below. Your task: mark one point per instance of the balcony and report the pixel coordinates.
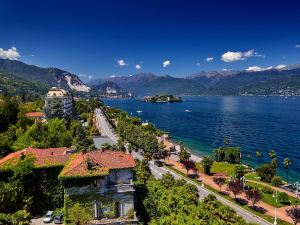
(120, 188)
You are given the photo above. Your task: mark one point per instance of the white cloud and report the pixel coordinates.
(279, 67)
(166, 63)
(224, 69)
(232, 56)
(209, 59)
(90, 76)
(257, 68)
(112, 76)
(297, 46)
(10, 53)
(198, 64)
(138, 66)
(238, 56)
(121, 62)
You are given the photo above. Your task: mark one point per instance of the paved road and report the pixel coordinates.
(158, 172)
(104, 126)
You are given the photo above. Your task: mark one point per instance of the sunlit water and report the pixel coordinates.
(252, 123)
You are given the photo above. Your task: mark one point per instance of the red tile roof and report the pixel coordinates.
(101, 161)
(43, 157)
(35, 114)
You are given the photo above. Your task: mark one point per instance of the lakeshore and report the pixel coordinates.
(252, 123)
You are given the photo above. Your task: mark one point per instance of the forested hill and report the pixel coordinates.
(267, 82)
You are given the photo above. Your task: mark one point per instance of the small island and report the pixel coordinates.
(162, 98)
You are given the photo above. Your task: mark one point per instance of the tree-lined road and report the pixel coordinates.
(158, 172)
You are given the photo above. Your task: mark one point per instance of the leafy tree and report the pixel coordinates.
(235, 186)
(284, 198)
(21, 217)
(276, 181)
(239, 171)
(219, 154)
(184, 155)
(287, 162)
(8, 112)
(266, 172)
(294, 214)
(142, 172)
(220, 181)
(167, 181)
(207, 163)
(254, 195)
(79, 215)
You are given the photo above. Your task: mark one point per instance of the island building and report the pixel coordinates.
(59, 103)
(101, 181)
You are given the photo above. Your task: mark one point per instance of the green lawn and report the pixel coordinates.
(266, 217)
(252, 176)
(230, 167)
(220, 167)
(267, 198)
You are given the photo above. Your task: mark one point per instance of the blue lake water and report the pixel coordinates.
(252, 123)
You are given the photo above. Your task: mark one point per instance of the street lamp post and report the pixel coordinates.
(275, 196)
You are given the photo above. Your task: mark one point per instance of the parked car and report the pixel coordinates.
(158, 163)
(58, 219)
(48, 217)
(193, 175)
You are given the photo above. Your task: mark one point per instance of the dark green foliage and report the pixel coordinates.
(8, 112)
(184, 155)
(138, 136)
(45, 135)
(239, 171)
(276, 181)
(21, 217)
(227, 154)
(169, 201)
(266, 172)
(207, 163)
(284, 198)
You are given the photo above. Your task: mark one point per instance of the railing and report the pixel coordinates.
(119, 188)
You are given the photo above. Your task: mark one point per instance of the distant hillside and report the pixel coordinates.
(108, 87)
(13, 85)
(47, 76)
(150, 84)
(268, 82)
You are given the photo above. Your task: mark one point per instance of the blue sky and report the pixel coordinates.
(103, 38)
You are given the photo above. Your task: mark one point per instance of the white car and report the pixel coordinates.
(49, 217)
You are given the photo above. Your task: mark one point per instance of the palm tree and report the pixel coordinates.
(226, 141)
(258, 156)
(287, 162)
(272, 154)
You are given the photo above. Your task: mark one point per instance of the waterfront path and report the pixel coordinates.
(158, 172)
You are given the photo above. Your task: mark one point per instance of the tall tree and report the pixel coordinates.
(254, 196)
(294, 214)
(207, 163)
(184, 155)
(287, 162)
(235, 186)
(258, 156)
(220, 181)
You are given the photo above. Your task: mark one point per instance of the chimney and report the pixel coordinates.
(83, 151)
(52, 153)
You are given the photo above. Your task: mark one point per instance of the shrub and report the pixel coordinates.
(267, 190)
(266, 172)
(276, 181)
(284, 198)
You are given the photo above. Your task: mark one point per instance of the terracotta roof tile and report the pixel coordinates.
(102, 162)
(35, 114)
(43, 157)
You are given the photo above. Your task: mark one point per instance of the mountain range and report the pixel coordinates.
(45, 76)
(16, 75)
(284, 81)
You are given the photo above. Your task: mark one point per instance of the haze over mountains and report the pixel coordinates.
(284, 81)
